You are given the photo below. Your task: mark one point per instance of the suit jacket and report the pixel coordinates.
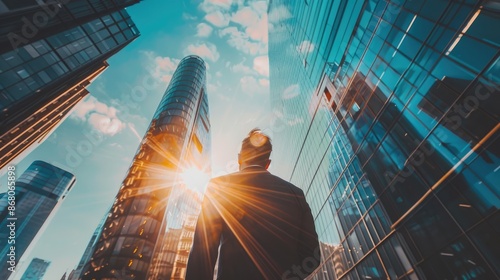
(263, 226)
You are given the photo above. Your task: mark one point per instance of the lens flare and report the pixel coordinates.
(194, 178)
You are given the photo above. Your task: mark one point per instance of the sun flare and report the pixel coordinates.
(194, 178)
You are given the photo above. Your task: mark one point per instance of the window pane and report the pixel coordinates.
(431, 227)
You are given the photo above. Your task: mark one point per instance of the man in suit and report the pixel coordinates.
(258, 225)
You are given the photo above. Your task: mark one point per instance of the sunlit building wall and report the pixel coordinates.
(49, 54)
(170, 258)
(164, 257)
(39, 193)
(184, 247)
(154, 199)
(386, 115)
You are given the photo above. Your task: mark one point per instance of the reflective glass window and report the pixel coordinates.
(485, 237)
(458, 260)
(431, 227)
(371, 268)
(481, 27)
(476, 60)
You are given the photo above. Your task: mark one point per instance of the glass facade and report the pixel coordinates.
(36, 270)
(387, 112)
(39, 193)
(27, 21)
(87, 254)
(56, 67)
(144, 227)
(29, 69)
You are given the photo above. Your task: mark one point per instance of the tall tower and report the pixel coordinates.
(397, 147)
(39, 192)
(50, 51)
(36, 270)
(87, 254)
(153, 200)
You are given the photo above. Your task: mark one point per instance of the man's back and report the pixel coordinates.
(264, 226)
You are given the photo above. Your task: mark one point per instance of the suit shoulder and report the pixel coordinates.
(221, 181)
(284, 182)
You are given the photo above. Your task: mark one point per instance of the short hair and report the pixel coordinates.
(256, 148)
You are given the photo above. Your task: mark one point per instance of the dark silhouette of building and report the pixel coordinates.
(58, 50)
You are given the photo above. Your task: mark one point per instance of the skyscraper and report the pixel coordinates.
(153, 200)
(386, 113)
(49, 54)
(87, 254)
(170, 260)
(36, 269)
(39, 192)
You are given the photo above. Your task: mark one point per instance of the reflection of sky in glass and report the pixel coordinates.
(388, 80)
(401, 72)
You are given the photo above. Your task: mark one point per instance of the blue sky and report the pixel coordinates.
(98, 140)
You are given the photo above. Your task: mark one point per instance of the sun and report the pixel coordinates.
(194, 178)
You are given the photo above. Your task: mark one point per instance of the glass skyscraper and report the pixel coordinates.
(87, 254)
(146, 221)
(36, 270)
(39, 192)
(49, 53)
(387, 113)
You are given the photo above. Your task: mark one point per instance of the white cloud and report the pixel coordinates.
(291, 91)
(305, 47)
(209, 6)
(105, 124)
(250, 36)
(213, 89)
(261, 65)
(279, 13)
(245, 16)
(252, 86)
(166, 63)
(204, 50)
(254, 20)
(160, 67)
(242, 68)
(280, 31)
(91, 104)
(277, 22)
(264, 82)
(187, 16)
(258, 31)
(241, 41)
(260, 6)
(218, 18)
(99, 115)
(203, 30)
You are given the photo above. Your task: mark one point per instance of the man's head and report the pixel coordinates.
(255, 149)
